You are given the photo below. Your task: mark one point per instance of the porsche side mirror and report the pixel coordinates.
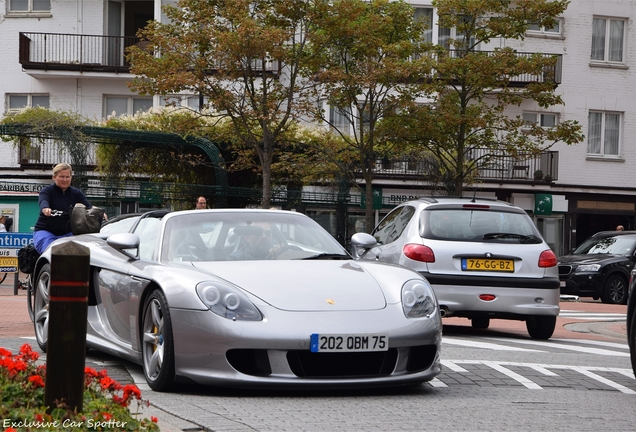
(126, 243)
(361, 243)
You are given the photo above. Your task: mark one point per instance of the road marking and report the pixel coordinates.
(485, 345)
(437, 383)
(592, 316)
(453, 366)
(594, 342)
(587, 350)
(588, 371)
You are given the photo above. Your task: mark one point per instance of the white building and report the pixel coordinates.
(55, 54)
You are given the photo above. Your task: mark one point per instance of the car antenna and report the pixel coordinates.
(474, 193)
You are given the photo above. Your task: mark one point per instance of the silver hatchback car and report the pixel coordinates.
(484, 259)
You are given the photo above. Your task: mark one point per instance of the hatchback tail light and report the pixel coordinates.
(547, 259)
(418, 252)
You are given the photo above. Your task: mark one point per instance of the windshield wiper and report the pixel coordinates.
(328, 256)
(522, 238)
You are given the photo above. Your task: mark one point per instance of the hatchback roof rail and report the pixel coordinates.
(431, 199)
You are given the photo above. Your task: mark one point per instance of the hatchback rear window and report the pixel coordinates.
(478, 225)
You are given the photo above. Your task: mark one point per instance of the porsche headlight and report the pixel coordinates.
(588, 268)
(227, 302)
(418, 299)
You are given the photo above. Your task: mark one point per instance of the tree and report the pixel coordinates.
(243, 57)
(470, 89)
(367, 66)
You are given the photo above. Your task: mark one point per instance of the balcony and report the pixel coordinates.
(75, 53)
(91, 53)
(550, 74)
(495, 168)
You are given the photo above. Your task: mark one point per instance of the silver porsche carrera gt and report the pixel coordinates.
(250, 298)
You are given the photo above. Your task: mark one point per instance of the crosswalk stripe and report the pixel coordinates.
(484, 345)
(588, 350)
(593, 342)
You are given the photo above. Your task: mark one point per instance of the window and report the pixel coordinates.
(190, 101)
(557, 30)
(26, 6)
(120, 105)
(608, 36)
(546, 120)
(340, 120)
(603, 133)
(392, 226)
(445, 35)
(16, 102)
(426, 16)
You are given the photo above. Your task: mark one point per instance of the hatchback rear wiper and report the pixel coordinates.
(328, 256)
(522, 238)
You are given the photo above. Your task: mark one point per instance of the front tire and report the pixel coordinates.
(615, 290)
(540, 326)
(41, 302)
(158, 343)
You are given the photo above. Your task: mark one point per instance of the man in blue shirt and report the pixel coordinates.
(56, 202)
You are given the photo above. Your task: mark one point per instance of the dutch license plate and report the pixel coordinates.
(485, 264)
(349, 342)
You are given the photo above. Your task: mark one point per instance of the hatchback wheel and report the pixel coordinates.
(480, 322)
(540, 326)
(615, 291)
(158, 343)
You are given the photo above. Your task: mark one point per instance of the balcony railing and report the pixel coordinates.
(550, 74)
(499, 167)
(73, 52)
(92, 53)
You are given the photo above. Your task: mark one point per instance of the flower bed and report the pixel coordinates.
(106, 404)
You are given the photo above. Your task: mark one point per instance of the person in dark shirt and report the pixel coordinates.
(56, 202)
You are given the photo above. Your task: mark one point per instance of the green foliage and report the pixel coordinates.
(45, 127)
(470, 90)
(366, 59)
(243, 56)
(170, 163)
(106, 404)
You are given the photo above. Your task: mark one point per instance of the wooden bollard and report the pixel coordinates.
(68, 310)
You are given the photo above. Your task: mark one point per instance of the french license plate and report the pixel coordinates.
(349, 342)
(485, 264)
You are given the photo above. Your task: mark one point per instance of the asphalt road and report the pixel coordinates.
(495, 379)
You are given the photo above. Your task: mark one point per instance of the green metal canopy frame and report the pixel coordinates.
(134, 138)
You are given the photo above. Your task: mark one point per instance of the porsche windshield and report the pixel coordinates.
(250, 235)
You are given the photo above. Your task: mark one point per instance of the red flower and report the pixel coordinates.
(5, 353)
(107, 416)
(38, 417)
(36, 380)
(130, 389)
(90, 372)
(154, 419)
(108, 383)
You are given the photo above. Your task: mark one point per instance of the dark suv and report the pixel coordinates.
(600, 267)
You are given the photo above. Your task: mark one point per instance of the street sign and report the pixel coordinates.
(9, 245)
